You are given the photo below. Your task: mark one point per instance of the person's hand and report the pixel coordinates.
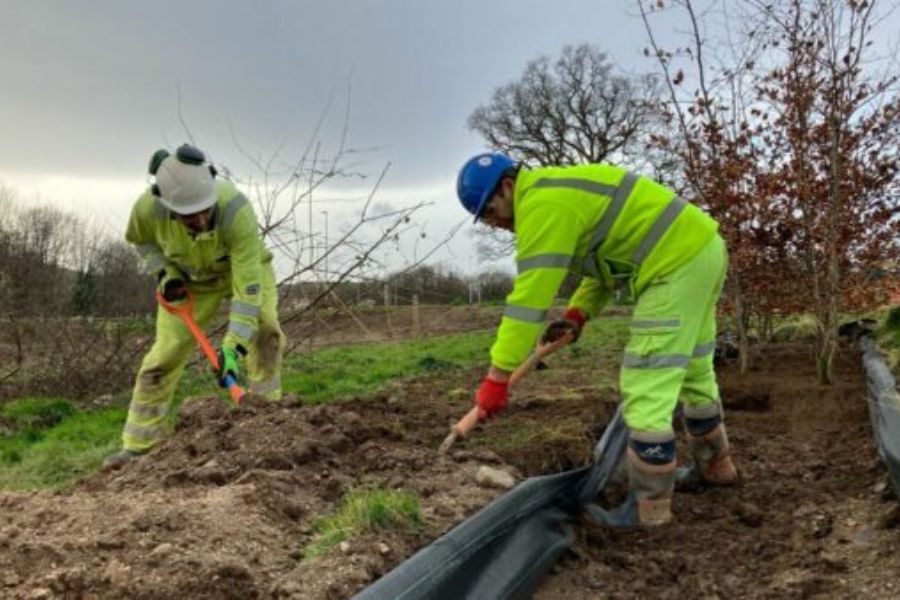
(172, 286)
(572, 321)
(492, 396)
(228, 358)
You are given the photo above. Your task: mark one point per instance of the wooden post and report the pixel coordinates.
(417, 322)
(387, 309)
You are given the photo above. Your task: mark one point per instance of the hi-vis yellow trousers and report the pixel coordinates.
(163, 366)
(669, 356)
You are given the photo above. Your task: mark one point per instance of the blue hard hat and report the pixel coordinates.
(479, 178)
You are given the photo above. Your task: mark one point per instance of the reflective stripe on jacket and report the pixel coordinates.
(598, 220)
(229, 254)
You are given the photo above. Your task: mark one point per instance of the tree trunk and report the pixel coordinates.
(740, 320)
(825, 359)
(829, 313)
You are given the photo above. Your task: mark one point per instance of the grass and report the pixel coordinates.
(361, 511)
(514, 437)
(36, 413)
(347, 371)
(52, 442)
(342, 372)
(889, 338)
(802, 328)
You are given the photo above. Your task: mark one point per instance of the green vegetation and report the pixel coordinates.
(53, 442)
(364, 510)
(352, 370)
(346, 371)
(36, 413)
(889, 338)
(514, 437)
(50, 444)
(800, 328)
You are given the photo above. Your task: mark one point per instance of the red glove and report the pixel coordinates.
(492, 396)
(572, 320)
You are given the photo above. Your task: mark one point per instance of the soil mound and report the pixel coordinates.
(225, 507)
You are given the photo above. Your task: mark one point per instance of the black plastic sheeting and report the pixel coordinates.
(504, 550)
(884, 408)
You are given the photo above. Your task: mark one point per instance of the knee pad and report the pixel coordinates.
(700, 427)
(653, 453)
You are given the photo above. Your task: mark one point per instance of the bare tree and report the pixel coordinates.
(288, 194)
(36, 251)
(122, 288)
(494, 284)
(572, 110)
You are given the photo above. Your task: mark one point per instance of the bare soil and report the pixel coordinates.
(224, 508)
(808, 521)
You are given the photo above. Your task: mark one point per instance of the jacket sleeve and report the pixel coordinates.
(245, 248)
(546, 238)
(141, 233)
(591, 296)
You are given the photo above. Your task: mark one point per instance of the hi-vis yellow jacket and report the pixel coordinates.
(610, 225)
(230, 255)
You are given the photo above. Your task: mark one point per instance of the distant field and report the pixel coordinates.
(53, 442)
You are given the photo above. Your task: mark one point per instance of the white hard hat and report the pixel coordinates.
(185, 188)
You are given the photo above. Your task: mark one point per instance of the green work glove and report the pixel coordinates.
(228, 358)
(170, 283)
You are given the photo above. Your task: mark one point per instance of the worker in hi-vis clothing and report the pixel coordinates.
(615, 228)
(199, 234)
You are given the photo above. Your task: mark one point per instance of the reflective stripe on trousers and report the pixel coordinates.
(670, 350)
(163, 366)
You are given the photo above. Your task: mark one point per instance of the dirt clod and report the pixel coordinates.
(162, 552)
(890, 518)
(750, 514)
(495, 478)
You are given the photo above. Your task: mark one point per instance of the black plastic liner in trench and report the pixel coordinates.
(504, 550)
(884, 408)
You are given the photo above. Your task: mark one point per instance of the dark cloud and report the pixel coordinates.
(90, 86)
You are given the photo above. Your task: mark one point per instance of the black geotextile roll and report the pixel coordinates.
(884, 408)
(505, 549)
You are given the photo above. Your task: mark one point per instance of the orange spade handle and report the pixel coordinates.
(185, 312)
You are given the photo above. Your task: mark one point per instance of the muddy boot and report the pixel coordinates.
(708, 447)
(624, 515)
(651, 482)
(116, 461)
(688, 479)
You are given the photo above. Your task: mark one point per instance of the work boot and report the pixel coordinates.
(711, 454)
(651, 483)
(116, 461)
(652, 486)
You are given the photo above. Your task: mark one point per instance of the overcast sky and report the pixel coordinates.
(90, 88)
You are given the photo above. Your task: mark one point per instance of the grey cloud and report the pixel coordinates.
(91, 85)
